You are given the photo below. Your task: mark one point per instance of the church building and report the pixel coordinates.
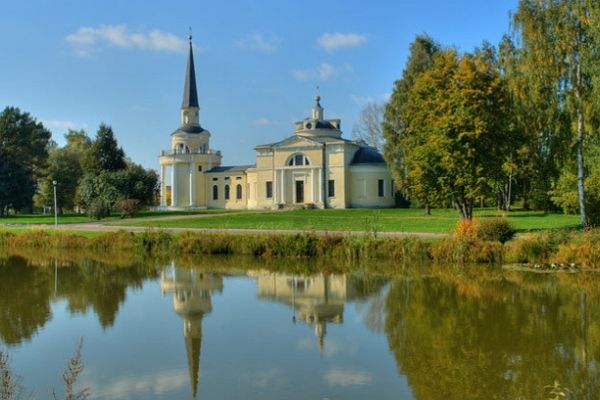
(315, 167)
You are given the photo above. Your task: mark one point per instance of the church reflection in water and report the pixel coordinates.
(316, 300)
(191, 290)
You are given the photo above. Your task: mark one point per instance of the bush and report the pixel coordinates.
(466, 229)
(128, 207)
(495, 230)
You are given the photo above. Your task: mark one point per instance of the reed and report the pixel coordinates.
(582, 248)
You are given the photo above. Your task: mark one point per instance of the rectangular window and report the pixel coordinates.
(215, 179)
(269, 189)
(199, 168)
(331, 188)
(380, 188)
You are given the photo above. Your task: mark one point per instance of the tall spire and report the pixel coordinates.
(190, 95)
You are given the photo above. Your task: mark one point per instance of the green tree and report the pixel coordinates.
(98, 194)
(457, 131)
(422, 51)
(23, 154)
(135, 182)
(104, 154)
(541, 122)
(64, 168)
(561, 33)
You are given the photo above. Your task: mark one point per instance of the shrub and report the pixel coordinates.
(495, 230)
(466, 229)
(582, 249)
(128, 207)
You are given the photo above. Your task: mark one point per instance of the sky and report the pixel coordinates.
(78, 63)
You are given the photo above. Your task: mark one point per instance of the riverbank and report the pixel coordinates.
(559, 247)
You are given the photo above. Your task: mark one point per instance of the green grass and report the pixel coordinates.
(384, 220)
(48, 219)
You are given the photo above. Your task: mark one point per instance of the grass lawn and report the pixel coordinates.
(388, 220)
(48, 219)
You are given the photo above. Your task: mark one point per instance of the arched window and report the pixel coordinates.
(238, 191)
(226, 192)
(215, 192)
(297, 160)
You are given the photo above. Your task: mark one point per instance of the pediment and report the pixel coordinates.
(297, 141)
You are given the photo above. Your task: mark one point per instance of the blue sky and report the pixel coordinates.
(79, 63)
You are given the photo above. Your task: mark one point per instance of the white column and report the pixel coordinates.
(313, 179)
(163, 185)
(275, 187)
(283, 186)
(321, 186)
(192, 184)
(173, 185)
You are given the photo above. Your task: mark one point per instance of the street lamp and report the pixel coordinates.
(55, 209)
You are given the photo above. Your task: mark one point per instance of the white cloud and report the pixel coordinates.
(263, 379)
(364, 100)
(62, 126)
(158, 384)
(321, 73)
(263, 122)
(88, 39)
(256, 41)
(335, 41)
(340, 377)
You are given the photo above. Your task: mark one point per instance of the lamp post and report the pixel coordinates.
(55, 209)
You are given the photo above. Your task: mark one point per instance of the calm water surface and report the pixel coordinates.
(230, 329)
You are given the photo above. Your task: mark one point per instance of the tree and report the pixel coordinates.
(23, 154)
(369, 125)
(422, 51)
(64, 168)
(456, 131)
(135, 182)
(561, 33)
(98, 194)
(104, 154)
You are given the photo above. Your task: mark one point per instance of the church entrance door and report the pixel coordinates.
(299, 191)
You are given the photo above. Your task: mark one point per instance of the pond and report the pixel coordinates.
(235, 329)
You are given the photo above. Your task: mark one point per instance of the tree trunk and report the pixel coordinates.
(427, 210)
(580, 128)
(508, 199)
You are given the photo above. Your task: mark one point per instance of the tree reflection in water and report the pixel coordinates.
(461, 337)
(27, 291)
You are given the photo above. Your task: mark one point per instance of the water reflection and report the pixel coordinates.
(471, 338)
(191, 290)
(315, 300)
(434, 334)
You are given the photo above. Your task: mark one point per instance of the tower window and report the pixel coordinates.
(215, 192)
(238, 191)
(199, 168)
(226, 192)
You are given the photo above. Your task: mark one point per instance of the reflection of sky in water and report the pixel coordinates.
(250, 346)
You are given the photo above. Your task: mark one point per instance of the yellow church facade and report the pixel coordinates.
(314, 167)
